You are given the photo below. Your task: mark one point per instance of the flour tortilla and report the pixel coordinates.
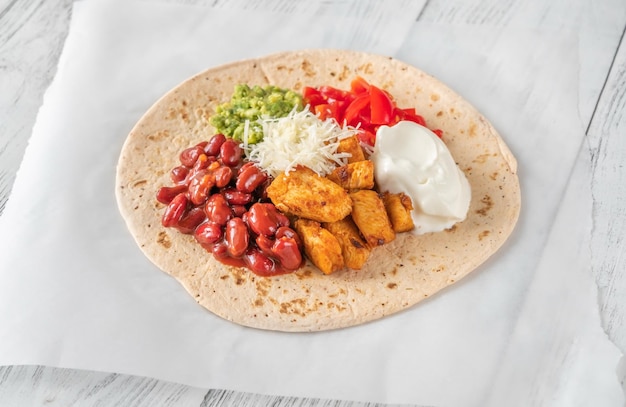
(397, 275)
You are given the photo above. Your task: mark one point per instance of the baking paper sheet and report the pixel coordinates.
(75, 291)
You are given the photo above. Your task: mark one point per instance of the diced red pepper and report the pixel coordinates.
(355, 109)
(364, 105)
(381, 106)
(359, 85)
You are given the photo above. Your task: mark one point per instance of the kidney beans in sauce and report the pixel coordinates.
(220, 199)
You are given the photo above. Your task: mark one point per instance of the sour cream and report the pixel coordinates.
(410, 158)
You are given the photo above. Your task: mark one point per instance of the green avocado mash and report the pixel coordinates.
(252, 103)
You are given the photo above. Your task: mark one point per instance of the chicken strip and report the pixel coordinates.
(351, 145)
(399, 207)
(357, 175)
(305, 194)
(370, 216)
(353, 248)
(320, 246)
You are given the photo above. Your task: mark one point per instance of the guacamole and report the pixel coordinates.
(250, 104)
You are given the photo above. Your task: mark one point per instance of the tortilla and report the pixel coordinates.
(397, 275)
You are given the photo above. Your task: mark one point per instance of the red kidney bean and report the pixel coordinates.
(235, 197)
(202, 162)
(259, 263)
(286, 250)
(175, 210)
(200, 186)
(283, 221)
(214, 144)
(239, 210)
(189, 155)
(265, 244)
(179, 174)
(258, 238)
(166, 194)
(208, 233)
(237, 237)
(263, 219)
(249, 179)
(220, 250)
(285, 231)
(188, 223)
(230, 153)
(217, 209)
(223, 175)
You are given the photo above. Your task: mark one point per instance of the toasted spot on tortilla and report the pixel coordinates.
(307, 67)
(481, 159)
(344, 74)
(439, 113)
(158, 136)
(164, 240)
(367, 68)
(434, 97)
(494, 176)
(224, 277)
(262, 286)
(140, 183)
(296, 306)
(483, 234)
(439, 268)
(487, 205)
(305, 274)
(338, 307)
(472, 129)
(259, 302)
(452, 229)
(392, 286)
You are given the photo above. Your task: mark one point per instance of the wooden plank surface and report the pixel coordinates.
(32, 33)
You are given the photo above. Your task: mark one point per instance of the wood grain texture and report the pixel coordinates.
(32, 33)
(607, 144)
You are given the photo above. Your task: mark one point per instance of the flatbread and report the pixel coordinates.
(397, 275)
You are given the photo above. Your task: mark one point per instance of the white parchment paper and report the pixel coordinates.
(75, 291)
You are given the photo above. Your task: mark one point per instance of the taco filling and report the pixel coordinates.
(307, 184)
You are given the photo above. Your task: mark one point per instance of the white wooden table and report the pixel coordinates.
(32, 34)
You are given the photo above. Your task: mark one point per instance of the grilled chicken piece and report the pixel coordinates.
(351, 145)
(357, 175)
(399, 207)
(370, 216)
(320, 246)
(307, 195)
(353, 248)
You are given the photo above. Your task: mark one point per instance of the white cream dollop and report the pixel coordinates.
(411, 158)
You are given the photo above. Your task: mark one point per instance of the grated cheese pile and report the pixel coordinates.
(300, 138)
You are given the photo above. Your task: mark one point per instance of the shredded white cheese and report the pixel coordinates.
(299, 138)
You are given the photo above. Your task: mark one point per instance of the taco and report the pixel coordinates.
(396, 276)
